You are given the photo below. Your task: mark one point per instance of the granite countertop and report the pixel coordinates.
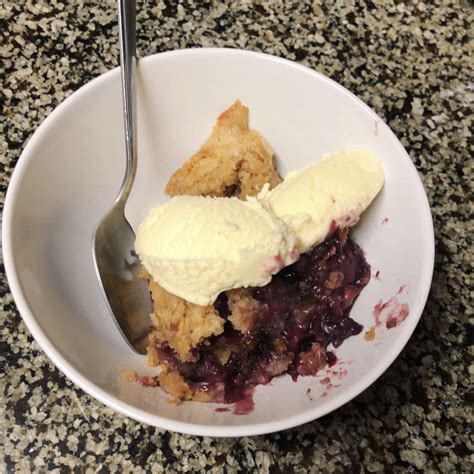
(410, 63)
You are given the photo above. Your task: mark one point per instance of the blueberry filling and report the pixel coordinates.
(303, 310)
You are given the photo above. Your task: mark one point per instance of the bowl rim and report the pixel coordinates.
(61, 361)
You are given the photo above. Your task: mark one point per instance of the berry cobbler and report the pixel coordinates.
(290, 325)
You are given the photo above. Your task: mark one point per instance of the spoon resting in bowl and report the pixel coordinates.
(115, 261)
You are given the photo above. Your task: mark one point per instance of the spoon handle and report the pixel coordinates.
(128, 60)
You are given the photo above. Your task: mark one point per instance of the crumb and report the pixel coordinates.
(143, 380)
(370, 334)
(312, 361)
(242, 308)
(130, 376)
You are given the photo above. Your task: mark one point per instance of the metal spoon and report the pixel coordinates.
(116, 264)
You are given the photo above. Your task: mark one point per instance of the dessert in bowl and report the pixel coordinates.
(69, 174)
(254, 285)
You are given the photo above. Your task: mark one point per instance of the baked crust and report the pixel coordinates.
(181, 324)
(234, 161)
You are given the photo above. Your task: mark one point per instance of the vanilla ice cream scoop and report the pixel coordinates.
(331, 193)
(196, 247)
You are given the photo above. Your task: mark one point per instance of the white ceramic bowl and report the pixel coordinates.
(70, 171)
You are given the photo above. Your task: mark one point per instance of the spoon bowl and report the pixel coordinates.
(117, 267)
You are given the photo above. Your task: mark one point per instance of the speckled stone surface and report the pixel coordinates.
(411, 63)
